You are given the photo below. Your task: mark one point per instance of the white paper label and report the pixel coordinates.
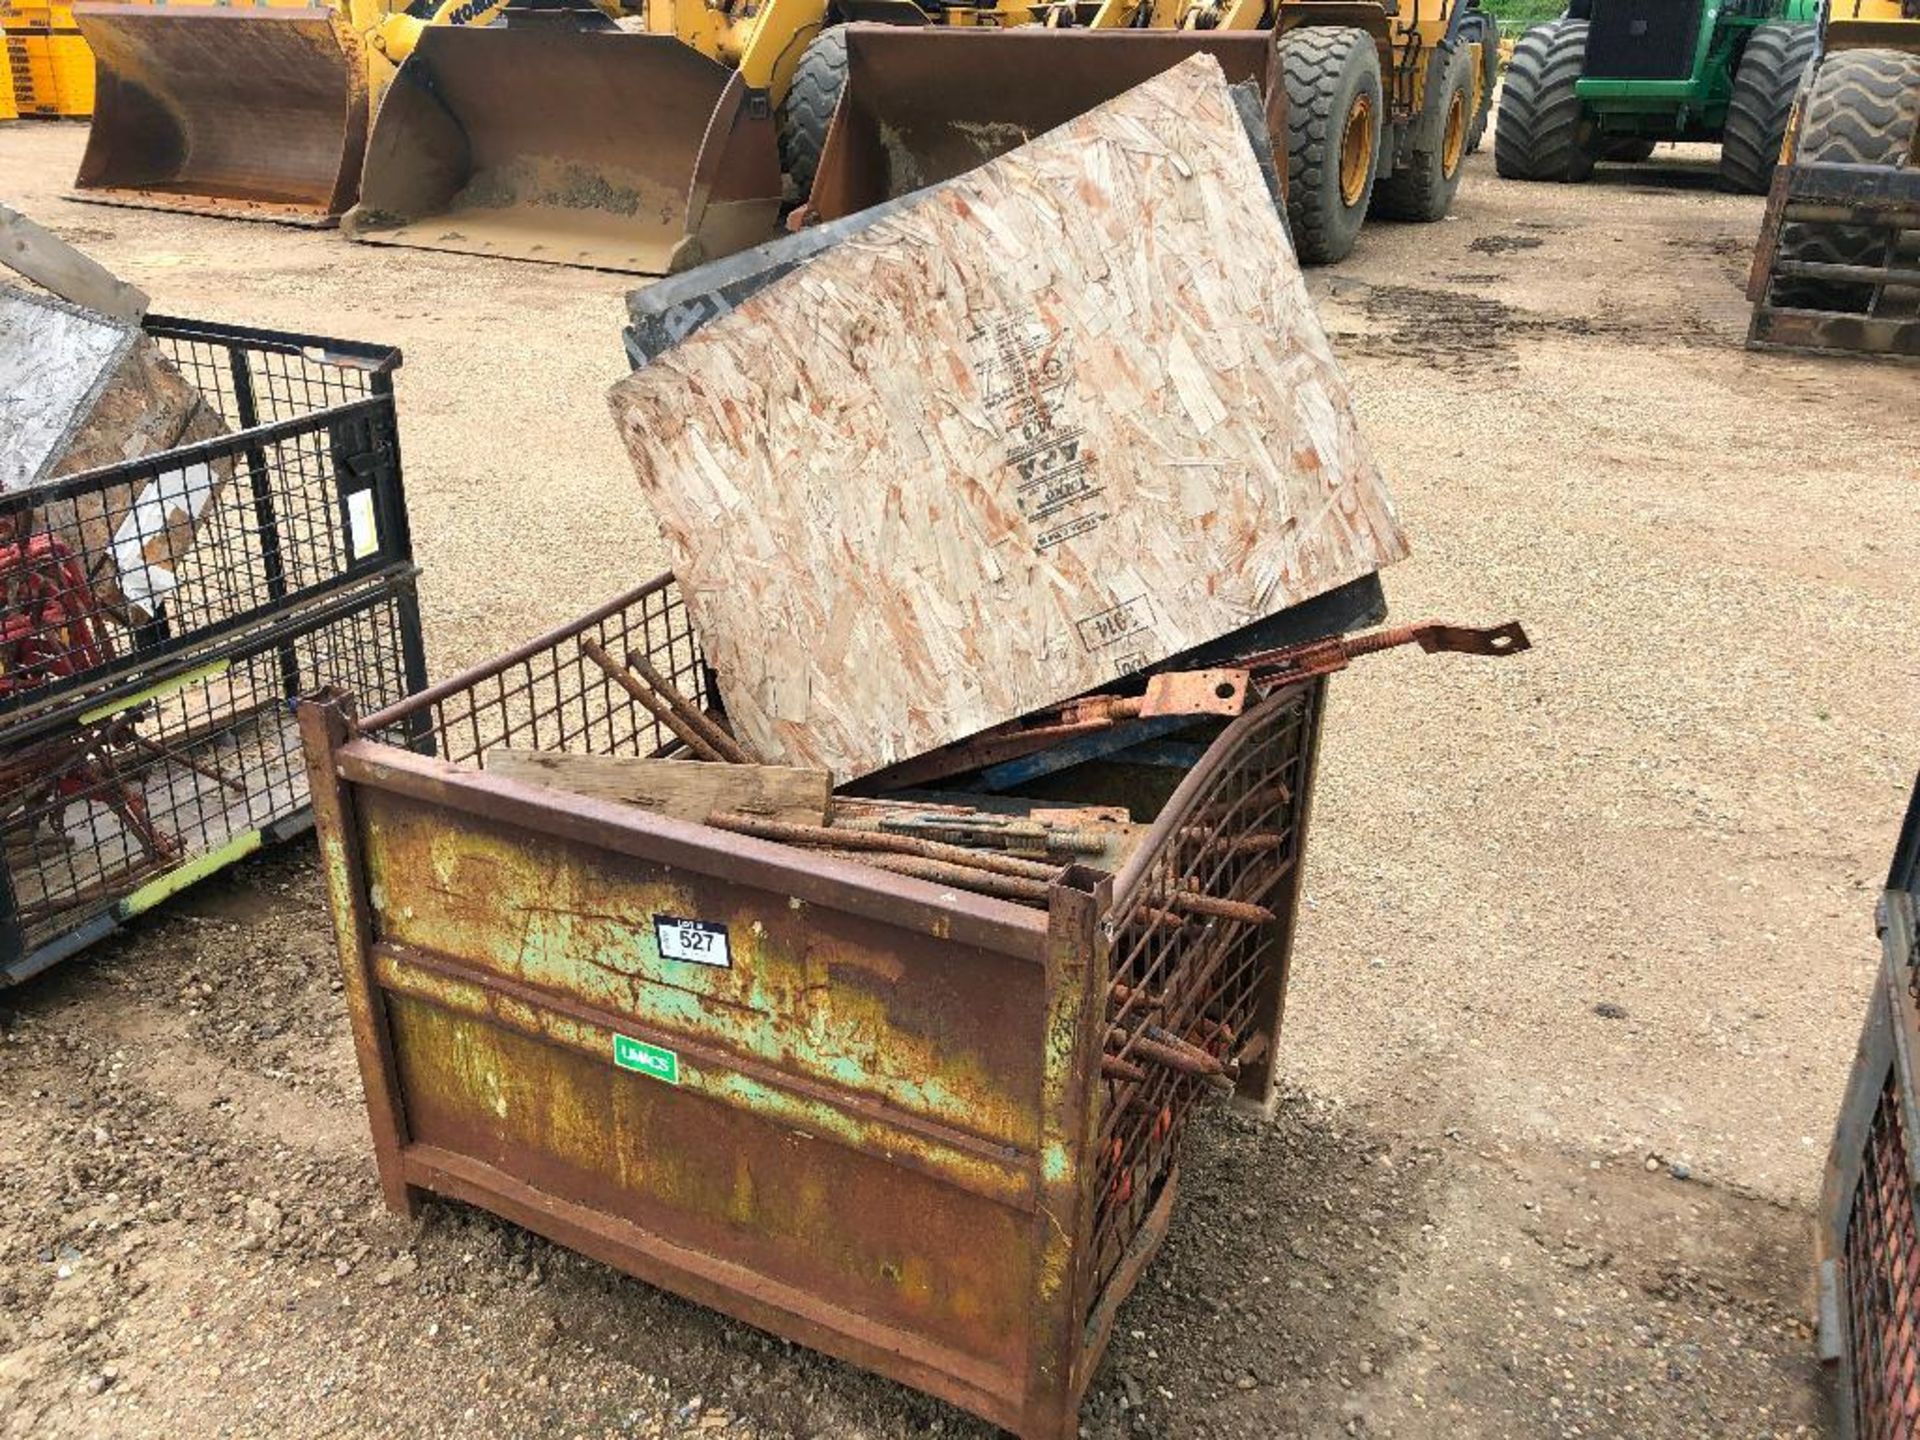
(697, 941)
(175, 493)
(363, 529)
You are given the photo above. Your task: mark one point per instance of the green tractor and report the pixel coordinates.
(1610, 79)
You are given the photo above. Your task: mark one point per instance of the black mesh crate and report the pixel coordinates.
(105, 574)
(110, 803)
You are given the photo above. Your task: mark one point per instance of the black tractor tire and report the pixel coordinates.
(808, 109)
(1863, 108)
(1538, 133)
(1422, 186)
(1769, 75)
(1489, 78)
(1627, 152)
(1330, 71)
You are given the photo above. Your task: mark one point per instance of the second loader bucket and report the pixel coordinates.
(925, 103)
(238, 111)
(599, 148)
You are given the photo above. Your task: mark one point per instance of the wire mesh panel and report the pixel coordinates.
(1881, 1271)
(1185, 978)
(105, 802)
(551, 695)
(293, 491)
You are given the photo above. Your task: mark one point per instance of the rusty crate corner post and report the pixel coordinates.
(326, 724)
(1077, 985)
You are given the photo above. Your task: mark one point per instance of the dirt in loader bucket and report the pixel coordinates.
(597, 148)
(251, 112)
(923, 104)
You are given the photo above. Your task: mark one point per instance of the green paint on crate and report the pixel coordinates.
(655, 1060)
(123, 703)
(174, 881)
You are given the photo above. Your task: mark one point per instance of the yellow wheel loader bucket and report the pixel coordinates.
(251, 112)
(923, 104)
(598, 148)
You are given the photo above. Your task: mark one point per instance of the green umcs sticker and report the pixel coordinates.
(655, 1060)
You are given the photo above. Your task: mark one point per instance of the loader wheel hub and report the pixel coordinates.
(1356, 151)
(1453, 141)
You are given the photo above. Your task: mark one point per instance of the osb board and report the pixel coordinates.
(1068, 415)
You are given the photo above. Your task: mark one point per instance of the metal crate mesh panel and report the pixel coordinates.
(549, 695)
(256, 385)
(1882, 1282)
(201, 540)
(1237, 838)
(93, 809)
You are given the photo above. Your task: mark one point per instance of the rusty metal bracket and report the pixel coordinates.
(1222, 690)
(1434, 637)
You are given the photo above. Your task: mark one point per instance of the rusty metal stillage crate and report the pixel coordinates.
(927, 1131)
(1869, 1234)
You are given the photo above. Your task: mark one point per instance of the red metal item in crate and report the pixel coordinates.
(50, 628)
(50, 622)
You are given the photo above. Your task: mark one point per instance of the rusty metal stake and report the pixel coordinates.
(1164, 1048)
(1195, 902)
(984, 830)
(730, 749)
(873, 842)
(962, 877)
(655, 705)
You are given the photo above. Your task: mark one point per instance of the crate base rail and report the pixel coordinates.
(880, 1124)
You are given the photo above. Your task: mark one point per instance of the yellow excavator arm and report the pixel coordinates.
(392, 34)
(762, 39)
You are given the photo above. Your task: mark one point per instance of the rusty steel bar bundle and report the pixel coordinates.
(656, 705)
(729, 749)
(984, 830)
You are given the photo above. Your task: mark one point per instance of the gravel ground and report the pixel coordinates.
(1589, 933)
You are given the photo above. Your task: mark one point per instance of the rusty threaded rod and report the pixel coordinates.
(878, 841)
(1160, 1036)
(1170, 1051)
(655, 705)
(731, 750)
(962, 877)
(1195, 902)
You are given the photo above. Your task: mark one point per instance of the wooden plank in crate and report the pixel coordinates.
(1062, 418)
(681, 789)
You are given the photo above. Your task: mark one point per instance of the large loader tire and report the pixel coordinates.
(1537, 136)
(1489, 78)
(1862, 109)
(1771, 68)
(1423, 183)
(808, 109)
(1334, 113)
